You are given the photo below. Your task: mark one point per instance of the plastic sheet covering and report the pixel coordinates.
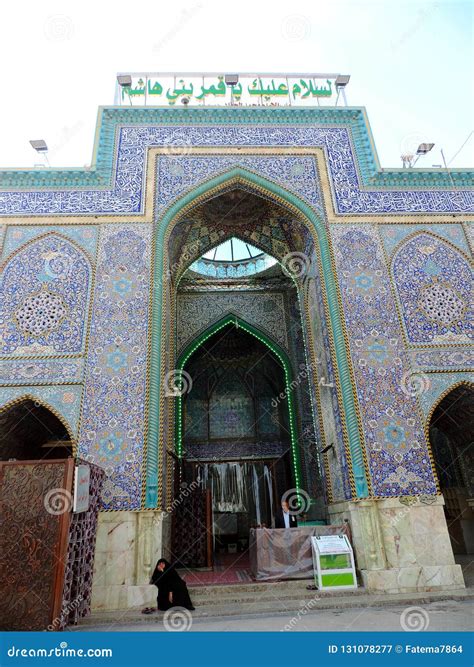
(285, 553)
(240, 487)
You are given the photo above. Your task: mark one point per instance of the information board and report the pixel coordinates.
(333, 562)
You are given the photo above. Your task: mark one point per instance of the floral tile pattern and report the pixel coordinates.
(41, 371)
(435, 287)
(44, 298)
(396, 450)
(85, 237)
(177, 174)
(392, 235)
(47, 283)
(113, 425)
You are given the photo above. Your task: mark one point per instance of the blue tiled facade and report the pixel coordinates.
(79, 295)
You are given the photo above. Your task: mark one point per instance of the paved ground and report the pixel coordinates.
(447, 615)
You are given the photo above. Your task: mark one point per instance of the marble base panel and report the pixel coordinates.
(413, 579)
(401, 544)
(128, 546)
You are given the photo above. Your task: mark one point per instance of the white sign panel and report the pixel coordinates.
(81, 488)
(332, 544)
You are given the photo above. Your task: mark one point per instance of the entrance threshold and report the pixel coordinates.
(228, 569)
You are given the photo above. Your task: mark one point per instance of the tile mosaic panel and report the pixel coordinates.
(126, 196)
(44, 296)
(435, 288)
(396, 449)
(113, 424)
(41, 371)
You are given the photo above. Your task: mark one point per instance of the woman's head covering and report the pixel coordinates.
(159, 576)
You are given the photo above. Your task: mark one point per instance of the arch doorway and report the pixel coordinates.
(239, 208)
(30, 431)
(236, 432)
(451, 432)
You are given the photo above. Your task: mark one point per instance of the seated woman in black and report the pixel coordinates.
(172, 590)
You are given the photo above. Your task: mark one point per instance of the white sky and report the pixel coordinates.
(411, 64)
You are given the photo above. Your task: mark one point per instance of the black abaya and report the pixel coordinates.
(168, 582)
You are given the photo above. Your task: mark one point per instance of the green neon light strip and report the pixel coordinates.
(286, 368)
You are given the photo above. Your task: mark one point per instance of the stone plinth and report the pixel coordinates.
(401, 545)
(128, 546)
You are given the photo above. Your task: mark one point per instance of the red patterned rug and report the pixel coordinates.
(228, 569)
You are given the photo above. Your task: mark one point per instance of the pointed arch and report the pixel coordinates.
(433, 286)
(279, 352)
(229, 312)
(441, 397)
(434, 236)
(233, 234)
(27, 396)
(48, 274)
(449, 441)
(44, 235)
(353, 433)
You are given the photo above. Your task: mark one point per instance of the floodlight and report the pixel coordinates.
(342, 80)
(231, 79)
(124, 80)
(39, 145)
(423, 149)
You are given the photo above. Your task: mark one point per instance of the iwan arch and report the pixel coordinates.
(302, 187)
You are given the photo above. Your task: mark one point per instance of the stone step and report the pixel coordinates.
(139, 597)
(267, 599)
(115, 619)
(241, 597)
(288, 584)
(223, 589)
